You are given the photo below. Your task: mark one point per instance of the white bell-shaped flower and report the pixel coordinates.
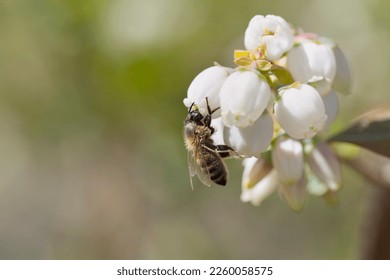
(325, 166)
(255, 169)
(207, 84)
(251, 140)
(218, 126)
(243, 97)
(260, 191)
(273, 31)
(287, 159)
(300, 111)
(343, 80)
(323, 86)
(313, 62)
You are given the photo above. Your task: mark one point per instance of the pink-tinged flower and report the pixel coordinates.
(300, 111)
(331, 103)
(273, 31)
(243, 97)
(325, 166)
(343, 80)
(313, 62)
(207, 84)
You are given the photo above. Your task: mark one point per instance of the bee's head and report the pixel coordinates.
(194, 114)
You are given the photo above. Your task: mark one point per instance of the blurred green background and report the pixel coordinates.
(92, 162)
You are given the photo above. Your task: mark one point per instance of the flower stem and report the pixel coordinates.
(376, 241)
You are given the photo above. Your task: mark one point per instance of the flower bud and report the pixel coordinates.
(342, 81)
(273, 31)
(330, 197)
(331, 103)
(255, 169)
(312, 62)
(314, 185)
(244, 96)
(300, 111)
(287, 159)
(207, 84)
(295, 194)
(263, 189)
(325, 166)
(252, 140)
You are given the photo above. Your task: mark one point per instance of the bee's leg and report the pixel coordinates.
(208, 107)
(207, 122)
(207, 119)
(215, 110)
(226, 151)
(223, 151)
(209, 145)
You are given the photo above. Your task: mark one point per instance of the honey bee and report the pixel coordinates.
(204, 157)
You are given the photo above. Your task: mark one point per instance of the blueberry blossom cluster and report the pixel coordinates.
(273, 108)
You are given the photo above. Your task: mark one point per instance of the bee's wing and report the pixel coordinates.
(191, 166)
(203, 174)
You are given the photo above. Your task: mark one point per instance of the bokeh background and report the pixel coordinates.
(92, 162)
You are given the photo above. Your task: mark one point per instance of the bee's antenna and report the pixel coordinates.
(189, 110)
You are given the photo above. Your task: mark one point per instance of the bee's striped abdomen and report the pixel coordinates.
(214, 166)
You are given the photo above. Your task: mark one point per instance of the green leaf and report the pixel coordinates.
(370, 131)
